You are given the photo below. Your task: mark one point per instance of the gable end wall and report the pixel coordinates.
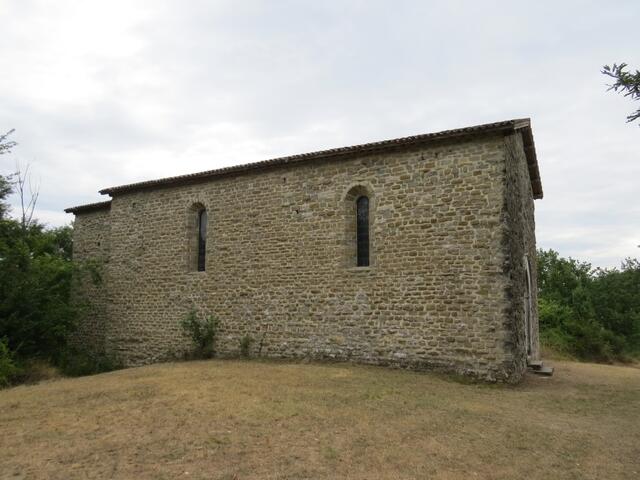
(519, 241)
(91, 248)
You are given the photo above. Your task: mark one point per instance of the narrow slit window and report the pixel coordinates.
(202, 239)
(362, 231)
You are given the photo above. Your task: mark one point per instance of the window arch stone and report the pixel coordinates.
(359, 243)
(197, 226)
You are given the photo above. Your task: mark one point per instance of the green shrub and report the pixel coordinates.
(8, 369)
(202, 333)
(36, 370)
(245, 345)
(78, 363)
(36, 312)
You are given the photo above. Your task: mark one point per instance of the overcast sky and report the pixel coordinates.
(103, 93)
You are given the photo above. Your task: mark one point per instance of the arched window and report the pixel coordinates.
(362, 231)
(202, 239)
(359, 215)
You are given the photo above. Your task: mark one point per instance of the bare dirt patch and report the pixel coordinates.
(250, 420)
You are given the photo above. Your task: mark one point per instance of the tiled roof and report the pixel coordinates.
(89, 207)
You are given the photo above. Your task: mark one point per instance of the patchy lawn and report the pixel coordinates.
(250, 420)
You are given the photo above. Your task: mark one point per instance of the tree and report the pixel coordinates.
(6, 187)
(627, 83)
(36, 273)
(593, 314)
(5, 190)
(6, 145)
(36, 314)
(27, 200)
(17, 183)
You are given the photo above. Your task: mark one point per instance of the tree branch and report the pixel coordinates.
(627, 83)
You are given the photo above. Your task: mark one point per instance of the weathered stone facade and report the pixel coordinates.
(451, 227)
(91, 244)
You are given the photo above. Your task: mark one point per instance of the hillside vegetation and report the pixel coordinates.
(590, 314)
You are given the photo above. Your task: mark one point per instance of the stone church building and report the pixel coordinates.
(416, 252)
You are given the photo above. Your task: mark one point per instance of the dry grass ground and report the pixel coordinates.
(248, 420)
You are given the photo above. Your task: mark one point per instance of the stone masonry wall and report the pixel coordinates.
(91, 236)
(280, 264)
(520, 245)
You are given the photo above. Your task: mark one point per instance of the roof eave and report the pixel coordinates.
(532, 161)
(89, 207)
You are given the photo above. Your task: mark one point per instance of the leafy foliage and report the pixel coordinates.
(8, 367)
(6, 145)
(589, 313)
(5, 191)
(76, 363)
(202, 332)
(6, 187)
(627, 83)
(36, 314)
(245, 346)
